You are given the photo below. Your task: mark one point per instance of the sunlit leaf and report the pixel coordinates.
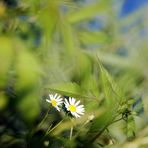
(100, 123)
(3, 101)
(93, 37)
(27, 84)
(111, 91)
(89, 11)
(130, 127)
(27, 71)
(6, 58)
(28, 107)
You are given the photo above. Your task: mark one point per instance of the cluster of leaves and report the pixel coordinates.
(44, 47)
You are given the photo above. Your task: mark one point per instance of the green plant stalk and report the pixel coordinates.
(54, 127)
(99, 133)
(45, 117)
(49, 130)
(110, 136)
(40, 124)
(85, 123)
(103, 129)
(71, 131)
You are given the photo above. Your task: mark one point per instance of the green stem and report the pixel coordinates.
(98, 134)
(49, 130)
(71, 131)
(102, 130)
(40, 124)
(117, 120)
(80, 129)
(55, 126)
(110, 136)
(45, 117)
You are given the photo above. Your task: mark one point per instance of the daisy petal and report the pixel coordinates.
(50, 96)
(77, 103)
(48, 100)
(55, 100)
(55, 95)
(73, 101)
(58, 97)
(73, 107)
(70, 100)
(66, 102)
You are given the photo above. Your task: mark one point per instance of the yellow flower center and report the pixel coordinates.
(72, 108)
(54, 103)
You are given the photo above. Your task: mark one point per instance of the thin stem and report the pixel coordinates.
(40, 124)
(55, 126)
(117, 120)
(49, 130)
(99, 133)
(80, 129)
(110, 136)
(46, 115)
(71, 131)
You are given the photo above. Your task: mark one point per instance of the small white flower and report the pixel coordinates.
(55, 101)
(74, 108)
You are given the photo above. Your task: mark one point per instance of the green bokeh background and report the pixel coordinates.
(45, 47)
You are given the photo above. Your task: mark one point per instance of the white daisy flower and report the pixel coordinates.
(74, 108)
(55, 101)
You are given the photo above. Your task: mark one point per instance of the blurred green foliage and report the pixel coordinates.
(45, 48)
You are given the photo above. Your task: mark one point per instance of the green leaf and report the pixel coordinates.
(101, 122)
(89, 85)
(111, 91)
(68, 89)
(48, 18)
(89, 11)
(6, 57)
(67, 33)
(28, 107)
(27, 71)
(130, 127)
(3, 101)
(110, 59)
(83, 66)
(93, 37)
(27, 84)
